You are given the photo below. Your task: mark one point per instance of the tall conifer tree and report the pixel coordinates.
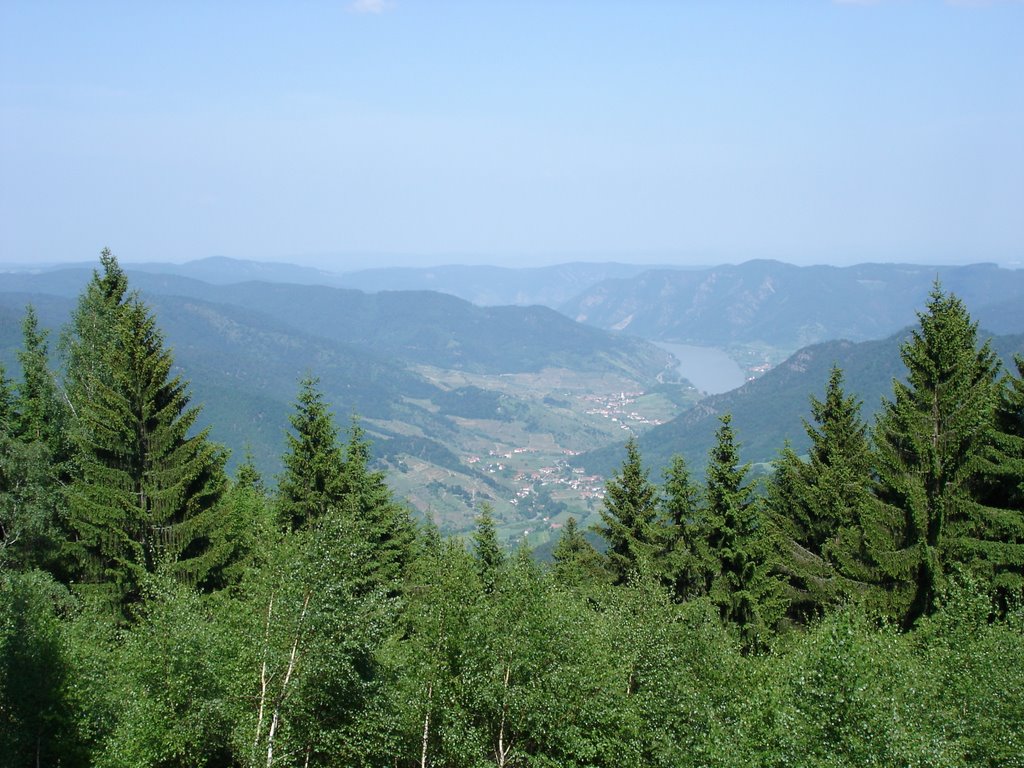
(630, 519)
(742, 583)
(145, 489)
(37, 455)
(8, 469)
(576, 561)
(384, 524)
(87, 340)
(486, 549)
(814, 500)
(1002, 488)
(42, 412)
(684, 558)
(313, 464)
(931, 442)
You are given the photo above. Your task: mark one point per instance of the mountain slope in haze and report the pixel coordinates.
(494, 286)
(780, 305)
(421, 327)
(221, 270)
(244, 368)
(482, 285)
(770, 410)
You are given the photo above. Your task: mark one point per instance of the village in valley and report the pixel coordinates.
(544, 494)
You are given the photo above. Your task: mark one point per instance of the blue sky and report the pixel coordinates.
(413, 132)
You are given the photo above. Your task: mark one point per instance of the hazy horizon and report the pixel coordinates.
(400, 133)
(344, 263)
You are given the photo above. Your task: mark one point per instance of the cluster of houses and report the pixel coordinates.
(562, 474)
(756, 371)
(616, 408)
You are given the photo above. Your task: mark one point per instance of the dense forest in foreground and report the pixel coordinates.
(863, 608)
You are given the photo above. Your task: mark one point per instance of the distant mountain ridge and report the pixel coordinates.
(757, 302)
(493, 286)
(782, 305)
(479, 284)
(422, 327)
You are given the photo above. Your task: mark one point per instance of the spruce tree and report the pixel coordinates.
(486, 550)
(313, 464)
(1002, 488)
(145, 491)
(836, 479)
(630, 519)
(683, 552)
(42, 412)
(37, 454)
(246, 531)
(88, 339)
(6, 403)
(9, 533)
(325, 482)
(814, 500)
(932, 439)
(742, 551)
(575, 560)
(383, 524)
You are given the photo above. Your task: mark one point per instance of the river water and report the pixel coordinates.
(709, 369)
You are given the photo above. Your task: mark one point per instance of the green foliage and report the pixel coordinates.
(931, 441)
(145, 489)
(741, 548)
(376, 518)
(1002, 487)
(814, 500)
(38, 723)
(245, 533)
(170, 684)
(576, 562)
(629, 519)
(41, 410)
(487, 551)
(313, 462)
(851, 691)
(684, 557)
(34, 456)
(304, 646)
(976, 664)
(90, 335)
(322, 479)
(7, 413)
(426, 664)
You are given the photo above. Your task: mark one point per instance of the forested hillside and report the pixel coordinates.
(865, 608)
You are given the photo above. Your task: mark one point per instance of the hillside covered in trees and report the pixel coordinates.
(862, 607)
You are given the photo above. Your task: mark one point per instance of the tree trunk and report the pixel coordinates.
(276, 719)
